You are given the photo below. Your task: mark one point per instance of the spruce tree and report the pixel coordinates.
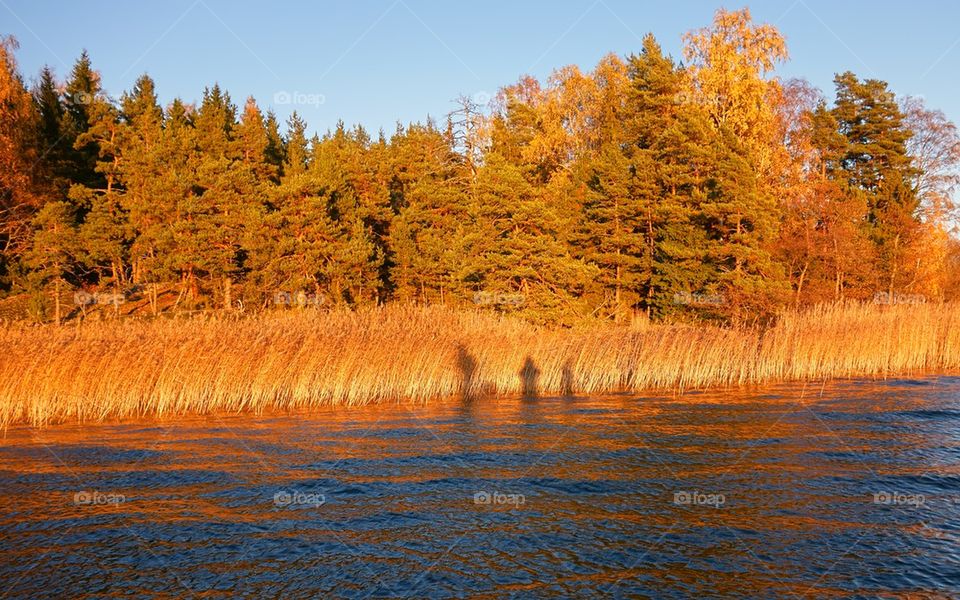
(275, 150)
(83, 99)
(52, 135)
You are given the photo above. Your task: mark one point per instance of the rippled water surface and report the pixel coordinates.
(844, 490)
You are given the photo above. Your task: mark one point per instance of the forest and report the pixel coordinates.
(698, 187)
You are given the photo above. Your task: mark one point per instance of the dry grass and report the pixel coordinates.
(296, 359)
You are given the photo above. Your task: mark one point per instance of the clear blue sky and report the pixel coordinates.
(380, 61)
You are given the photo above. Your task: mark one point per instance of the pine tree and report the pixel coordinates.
(297, 238)
(670, 136)
(52, 255)
(707, 190)
(616, 231)
(876, 163)
(254, 177)
(617, 190)
(742, 220)
(428, 184)
(220, 204)
(159, 176)
(824, 227)
(357, 207)
(253, 143)
(104, 240)
(514, 248)
(126, 140)
(682, 265)
(296, 151)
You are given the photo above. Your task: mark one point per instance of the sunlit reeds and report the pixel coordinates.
(301, 358)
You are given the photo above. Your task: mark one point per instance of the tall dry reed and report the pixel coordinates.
(296, 359)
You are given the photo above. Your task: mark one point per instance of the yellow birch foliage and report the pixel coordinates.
(729, 64)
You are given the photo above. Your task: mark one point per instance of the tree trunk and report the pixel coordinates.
(893, 267)
(616, 233)
(116, 289)
(359, 299)
(803, 275)
(56, 301)
(838, 273)
(616, 294)
(153, 298)
(227, 293)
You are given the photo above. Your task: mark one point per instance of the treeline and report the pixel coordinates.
(704, 187)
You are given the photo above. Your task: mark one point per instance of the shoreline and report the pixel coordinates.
(114, 370)
(196, 418)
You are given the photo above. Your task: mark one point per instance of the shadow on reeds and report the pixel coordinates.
(280, 360)
(529, 378)
(467, 365)
(566, 380)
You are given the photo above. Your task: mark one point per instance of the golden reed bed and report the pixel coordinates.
(107, 370)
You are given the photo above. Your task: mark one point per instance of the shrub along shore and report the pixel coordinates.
(297, 359)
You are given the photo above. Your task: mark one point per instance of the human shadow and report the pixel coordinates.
(467, 365)
(529, 378)
(567, 380)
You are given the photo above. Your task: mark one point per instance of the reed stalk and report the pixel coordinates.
(297, 359)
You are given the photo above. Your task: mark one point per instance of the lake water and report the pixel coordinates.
(849, 489)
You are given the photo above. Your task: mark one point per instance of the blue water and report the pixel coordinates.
(849, 489)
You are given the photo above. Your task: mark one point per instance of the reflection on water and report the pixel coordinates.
(849, 490)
